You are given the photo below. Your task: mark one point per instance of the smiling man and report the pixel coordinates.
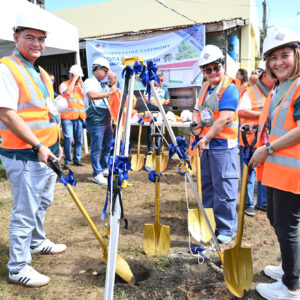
(29, 127)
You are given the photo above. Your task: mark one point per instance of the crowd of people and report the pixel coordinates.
(269, 103)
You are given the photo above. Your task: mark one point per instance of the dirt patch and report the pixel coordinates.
(79, 273)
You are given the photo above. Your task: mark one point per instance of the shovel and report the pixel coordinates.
(156, 239)
(164, 157)
(122, 268)
(193, 162)
(238, 266)
(150, 159)
(196, 223)
(137, 160)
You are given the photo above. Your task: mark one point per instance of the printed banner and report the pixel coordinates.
(176, 54)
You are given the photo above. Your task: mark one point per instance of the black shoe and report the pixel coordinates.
(67, 165)
(150, 152)
(260, 207)
(78, 163)
(249, 211)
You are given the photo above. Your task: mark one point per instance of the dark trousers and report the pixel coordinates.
(283, 211)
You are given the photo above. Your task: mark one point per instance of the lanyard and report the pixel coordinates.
(281, 91)
(36, 76)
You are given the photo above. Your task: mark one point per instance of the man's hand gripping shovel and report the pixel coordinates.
(122, 268)
(197, 225)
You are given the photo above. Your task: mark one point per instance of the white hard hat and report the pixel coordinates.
(209, 54)
(76, 70)
(186, 116)
(171, 117)
(101, 62)
(31, 20)
(159, 118)
(262, 65)
(277, 37)
(61, 104)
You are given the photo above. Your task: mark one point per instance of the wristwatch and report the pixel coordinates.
(269, 148)
(206, 139)
(37, 148)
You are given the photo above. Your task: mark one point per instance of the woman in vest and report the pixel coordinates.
(278, 159)
(216, 112)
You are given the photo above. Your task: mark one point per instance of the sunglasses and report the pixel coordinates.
(104, 69)
(216, 69)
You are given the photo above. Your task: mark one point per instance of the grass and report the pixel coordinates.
(164, 263)
(2, 173)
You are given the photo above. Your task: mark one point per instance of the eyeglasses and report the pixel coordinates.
(216, 69)
(104, 69)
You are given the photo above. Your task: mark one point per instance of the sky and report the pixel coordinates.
(280, 13)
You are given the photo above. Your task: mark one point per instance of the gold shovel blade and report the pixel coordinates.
(153, 245)
(137, 162)
(197, 225)
(164, 162)
(150, 161)
(238, 270)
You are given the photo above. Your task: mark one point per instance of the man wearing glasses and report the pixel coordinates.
(98, 118)
(29, 128)
(216, 112)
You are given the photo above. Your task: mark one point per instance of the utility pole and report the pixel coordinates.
(264, 20)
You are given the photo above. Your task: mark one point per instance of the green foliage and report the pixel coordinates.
(186, 50)
(164, 263)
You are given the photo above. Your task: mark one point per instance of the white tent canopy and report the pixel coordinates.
(62, 37)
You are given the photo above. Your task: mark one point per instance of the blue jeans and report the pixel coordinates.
(101, 136)
(33, 192)
(72, 129)
(261, 189)
(220, 175)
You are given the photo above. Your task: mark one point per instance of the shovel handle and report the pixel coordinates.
(156, 136)
(248, 146)
(56, 167)
(192, 126)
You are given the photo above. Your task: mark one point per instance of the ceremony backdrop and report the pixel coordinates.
(176, 54)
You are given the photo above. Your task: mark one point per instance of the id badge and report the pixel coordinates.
(206, 116)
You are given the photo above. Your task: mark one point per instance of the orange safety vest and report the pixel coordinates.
(229, 132)
(258, 100)
(281, 170)
(76, 107)
(114, 103)
(243, 87)
(32, 107)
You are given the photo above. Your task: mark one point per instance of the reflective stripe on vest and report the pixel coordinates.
(281, 169)
(76, 106)
(31, 108)
(231, 130)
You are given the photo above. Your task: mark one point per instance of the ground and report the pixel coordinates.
(79, 273)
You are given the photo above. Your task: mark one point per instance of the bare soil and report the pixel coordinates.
(79, 273)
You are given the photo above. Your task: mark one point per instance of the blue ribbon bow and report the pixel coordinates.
(121, 168)
(154, 119)
(153, 175)
(70, 180)
(198, 250)
(195, 142)
(180, 149)
(141, 121)
(149, 75)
